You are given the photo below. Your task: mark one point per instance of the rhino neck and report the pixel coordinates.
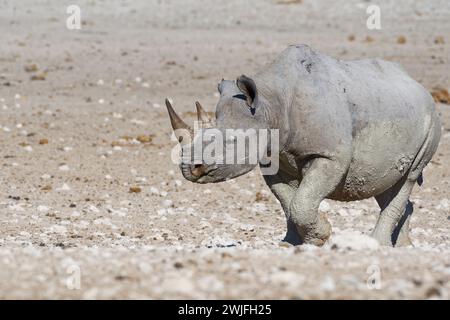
(274, 104)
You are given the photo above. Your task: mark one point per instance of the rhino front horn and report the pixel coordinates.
(202, 115)
(178, 125)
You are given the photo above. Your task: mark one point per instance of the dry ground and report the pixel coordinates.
(69, 154)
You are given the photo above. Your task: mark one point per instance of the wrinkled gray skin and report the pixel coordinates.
(349, 130)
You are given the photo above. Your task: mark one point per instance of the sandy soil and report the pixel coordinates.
(71, 228)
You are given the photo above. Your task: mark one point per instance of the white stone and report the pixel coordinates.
(43, 208)
(58, 229)
(64, 187)
(324, 206)
(352, 240)
(328, 284)
(167, 203)
(64, 167)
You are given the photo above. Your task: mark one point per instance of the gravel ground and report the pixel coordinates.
(91, 205)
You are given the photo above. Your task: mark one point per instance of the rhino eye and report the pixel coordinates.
(240, 96)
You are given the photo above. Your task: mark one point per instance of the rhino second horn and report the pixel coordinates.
(175, 120)
(202, 115)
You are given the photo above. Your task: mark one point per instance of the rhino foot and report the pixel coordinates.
(292, 237)
(403, 240)
(317, 234)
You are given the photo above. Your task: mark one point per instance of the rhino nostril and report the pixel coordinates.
(198, 170)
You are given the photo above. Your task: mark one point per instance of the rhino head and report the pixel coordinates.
(238, 118)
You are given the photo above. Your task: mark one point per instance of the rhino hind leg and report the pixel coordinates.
(394, 215)
(400, 235)
(392, 227)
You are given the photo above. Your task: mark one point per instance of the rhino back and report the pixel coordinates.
(369, 114)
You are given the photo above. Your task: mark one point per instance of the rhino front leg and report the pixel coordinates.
(319, 180)
(284, 193)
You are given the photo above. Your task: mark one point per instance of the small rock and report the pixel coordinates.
(167, 203)
(324, 206)
(142, 138)
(64, 167)
(43, 208)
(328, 284)
(135, 189)
(38, 77)
(31, 68)
(64, 187)
(352, 240)
(401, 40)
(439, 40)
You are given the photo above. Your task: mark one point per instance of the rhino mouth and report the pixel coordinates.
(198, 173)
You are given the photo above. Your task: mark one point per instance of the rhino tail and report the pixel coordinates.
(420, 179)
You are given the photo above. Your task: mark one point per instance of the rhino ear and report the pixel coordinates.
(220, 86)
(248, 88)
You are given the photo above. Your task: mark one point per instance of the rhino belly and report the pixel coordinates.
(382, 155)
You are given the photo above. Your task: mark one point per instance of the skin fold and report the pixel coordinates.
(348, 130)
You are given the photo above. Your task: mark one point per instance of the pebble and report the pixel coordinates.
(58, 229)
(223, 241)
(324, 206)
(64, 187)
(154, 190)
(16, 207)
(93, 208)
(328, 284)
(43, 208)
(287, 278)
(64, 167)
(167, 203)
(351, 240)
(443, 204)
(178, 183)
(247, 227)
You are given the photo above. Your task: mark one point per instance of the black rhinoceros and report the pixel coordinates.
(348, 130)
